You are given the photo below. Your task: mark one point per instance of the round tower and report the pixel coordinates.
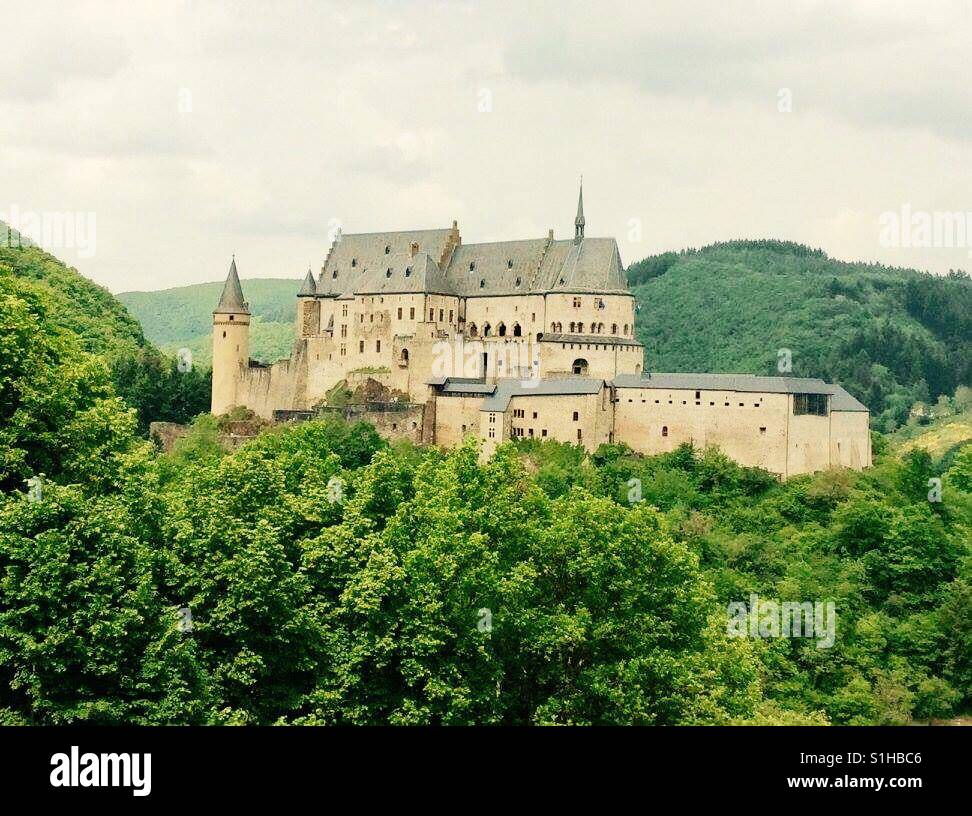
(231, 343)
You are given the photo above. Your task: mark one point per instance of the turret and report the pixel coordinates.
(231, 343)
(308, 308)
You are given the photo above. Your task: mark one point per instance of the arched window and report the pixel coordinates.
(517, 331)
(637, 368)
(472, 330)
(501, 330)
(664, 430)
(573, 326)
(580, 328)
(579, 366)
(486, 330)
(614, 328)
(404, 360)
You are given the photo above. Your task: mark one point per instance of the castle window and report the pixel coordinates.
(441, 315)
(408, 271)
(450, 315)
(482, 283)
(354, 262)
(431, 315)
(576, 416)
(517, 282)
(377, 345)
(404, 360)
(472, 266)
(577, 301)
(517, 331)
(388, 272)
(625, 329)
(664, 430)
(614, 328)
(232, 316)
(543, 432)
(399, 312)
(387, 249)
(486, 330)
(580, 435)
(472, 330)
(344, 330)
(224, 334)
(698, 395)
(579, 366)
(815, 404)
(411, 313)
(509, 265)
(501, 331)
(762, 429)
(580, 328)
(361, 347)
(334, 275)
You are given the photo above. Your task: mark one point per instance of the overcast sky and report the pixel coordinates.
(195, 130)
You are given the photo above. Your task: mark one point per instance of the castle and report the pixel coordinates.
(515, 339)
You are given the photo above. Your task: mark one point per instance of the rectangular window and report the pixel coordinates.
(441, 315)
(344, 330)
(399, 312)
(543, 432)
(411, 313)
(815, 404)
(576, 416)
(450, 315)
(377, 345)
(361, 347)
(577, 303)
(579, 435)
(431, 315)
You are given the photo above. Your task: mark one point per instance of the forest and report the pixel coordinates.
(320, 575)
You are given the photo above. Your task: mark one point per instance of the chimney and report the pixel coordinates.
(413, 249)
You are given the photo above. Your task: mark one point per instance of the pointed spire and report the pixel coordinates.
(579, 221)
(308, 288)
(232, 298)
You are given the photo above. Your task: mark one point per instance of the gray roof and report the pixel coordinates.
(601, 339)
(509, 388)
(231, 300)
(842, 401)
(441, 263)
(308, 288)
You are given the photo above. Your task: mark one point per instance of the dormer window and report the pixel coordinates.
(387, 249)
(388, 272)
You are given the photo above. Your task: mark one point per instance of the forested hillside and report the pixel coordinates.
(892, 337)
(320, 575)
(183, 317)
(92, 326)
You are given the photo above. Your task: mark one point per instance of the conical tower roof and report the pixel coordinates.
(231, 301)
(309, 287)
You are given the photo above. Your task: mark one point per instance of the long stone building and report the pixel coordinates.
(515, 339)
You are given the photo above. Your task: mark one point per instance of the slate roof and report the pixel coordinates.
(841, 400)
(506, 389)
(231, 300)
(359, 264)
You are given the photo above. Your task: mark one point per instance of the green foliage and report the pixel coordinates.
(890, 336)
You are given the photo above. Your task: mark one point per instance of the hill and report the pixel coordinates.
(91, 312)
(891, 336)
(183, 316)
(92, 322)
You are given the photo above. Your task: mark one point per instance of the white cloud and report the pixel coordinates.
(372, 114)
